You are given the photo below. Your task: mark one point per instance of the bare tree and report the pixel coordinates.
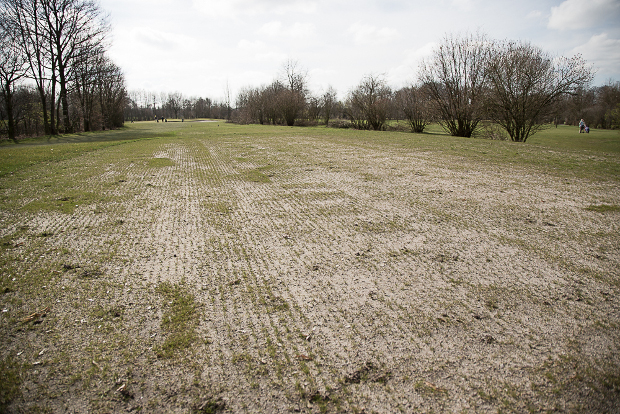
(292, 100)
(175, 103)
(250, 105)
(112, 94)
(455, 77)
(63, 45)
(369, 103)
(282, 101)
(614, 117)
(84, 76)
(25, 17)
(313, 106)
(27, 110)
(72, 27)
(188, 108)
(228, 102)
(270, 102)
(294, 77)
(202, 108)
(607, 100)
(12, 69)
(328, 100)
(524, 84)
(414, 103)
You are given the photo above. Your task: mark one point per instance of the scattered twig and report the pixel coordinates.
(36, 315)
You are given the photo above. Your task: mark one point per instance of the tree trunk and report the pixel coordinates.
(57, 116)
(53, 130)
(46, 123)
(8, 97)
(63, 98)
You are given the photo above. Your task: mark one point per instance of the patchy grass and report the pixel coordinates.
(179, 320)
(10, 381)
(18, 157)
(603, 208)
(160, 162)
(259, 175)
(267, 269)
(67, 203)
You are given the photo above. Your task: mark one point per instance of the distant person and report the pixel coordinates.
(582, 126)
(587, 129)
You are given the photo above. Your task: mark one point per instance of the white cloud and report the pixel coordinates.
(259, 51)
(271, 29)
(534, 14)
(172, 46)
(580, 14)
(247, 45)
(368, 34)
(301, 29)
(252, 78)
(276, 28)
(464, 5)
(147, 38)
(603, 52)
(232, 8)
(406, 72)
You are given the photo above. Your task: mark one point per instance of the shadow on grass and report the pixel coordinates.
(123, 134)
(36, 151)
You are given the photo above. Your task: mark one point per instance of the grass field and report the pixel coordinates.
(211, 267)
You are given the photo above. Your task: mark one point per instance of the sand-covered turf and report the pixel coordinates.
(222, 268)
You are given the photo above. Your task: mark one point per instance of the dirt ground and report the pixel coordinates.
(306, 275)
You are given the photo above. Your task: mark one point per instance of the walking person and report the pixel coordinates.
(582, 126)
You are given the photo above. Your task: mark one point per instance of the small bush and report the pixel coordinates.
(398, 127)
(493, 132)
(306, 122)
(340, 123)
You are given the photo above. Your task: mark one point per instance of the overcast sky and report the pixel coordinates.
(197, 47)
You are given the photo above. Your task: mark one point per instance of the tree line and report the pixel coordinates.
(55, 74)
(471, 85)
(144, 106)
(56, 77)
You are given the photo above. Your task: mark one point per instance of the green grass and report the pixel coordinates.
(17, 157)
(603, 208)
(179, 320)
(160, 162)
(559, 148)
(10, 381)
(258, 175)
(568, 138)
(45, 150)
(66, 203)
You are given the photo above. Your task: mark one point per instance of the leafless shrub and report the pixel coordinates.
(525, 82)
(368, 105)
(455, 77)
(492, 131)
(414, 104)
